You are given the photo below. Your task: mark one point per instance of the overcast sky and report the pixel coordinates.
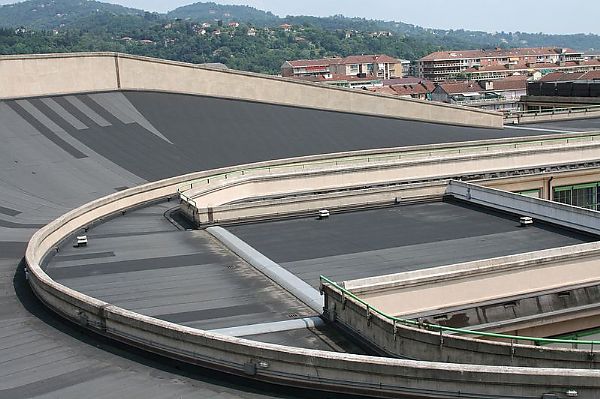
(548, 16)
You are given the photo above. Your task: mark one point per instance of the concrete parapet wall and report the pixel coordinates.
(312, 203)
(210, 198)
(33, 76)
(548, 116)
(553, 212)
(397, 339)
(346, 373)
(43, 75)
(469, 283)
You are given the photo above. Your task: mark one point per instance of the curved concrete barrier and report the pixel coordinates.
(216, 199)
(356, 374)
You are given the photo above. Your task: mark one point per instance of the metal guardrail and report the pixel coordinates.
(555, 111)
(436, 327)
(388, 157)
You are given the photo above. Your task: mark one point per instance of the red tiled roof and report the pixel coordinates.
(512, 83)
(414, 89)
(383, 90)
(570, 76)
(402, 81)
(516, 52)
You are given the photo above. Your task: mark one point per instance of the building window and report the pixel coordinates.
(581, 195)
(531, 193)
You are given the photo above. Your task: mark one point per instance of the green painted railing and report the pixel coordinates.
(436, 327)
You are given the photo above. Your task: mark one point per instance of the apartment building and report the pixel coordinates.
(303, 68)
(536, 70)
(409, 87)
(362, 66)
(495, 95)
(380, 66)
(495, 64)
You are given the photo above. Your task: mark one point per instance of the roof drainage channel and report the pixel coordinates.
(266, 328)
(295, 286)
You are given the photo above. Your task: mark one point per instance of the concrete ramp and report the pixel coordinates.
(43, 75)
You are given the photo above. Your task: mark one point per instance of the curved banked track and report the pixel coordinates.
(285, 365)
(51, 164)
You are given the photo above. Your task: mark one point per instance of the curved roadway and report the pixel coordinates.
(57, 153)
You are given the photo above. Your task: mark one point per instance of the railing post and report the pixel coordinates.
(512, 349)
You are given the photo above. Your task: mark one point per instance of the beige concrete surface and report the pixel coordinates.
(473, 286)
(31, 76)
(210, 196)
(53, 74)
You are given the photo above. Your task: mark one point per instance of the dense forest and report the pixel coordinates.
(207, 32)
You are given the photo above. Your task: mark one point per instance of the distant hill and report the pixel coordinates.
(450, 39)
(80, 25)
(205, 12)
(49, 14)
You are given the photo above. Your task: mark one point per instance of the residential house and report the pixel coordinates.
(363, 66)
(495, 95)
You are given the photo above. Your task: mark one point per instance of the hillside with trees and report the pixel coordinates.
(51, 14)
(238, 36)
(227, 13)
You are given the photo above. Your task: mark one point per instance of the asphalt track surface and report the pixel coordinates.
(58, 153)
(355, 245)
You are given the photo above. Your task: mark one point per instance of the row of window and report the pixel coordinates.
(581, 195)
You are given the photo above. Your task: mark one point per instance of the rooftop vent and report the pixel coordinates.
(525, 221)
(82, 241)
(323, 214)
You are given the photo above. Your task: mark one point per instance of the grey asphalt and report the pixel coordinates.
(579, 125)
(384, 241)
(60, 152)
(184, 277)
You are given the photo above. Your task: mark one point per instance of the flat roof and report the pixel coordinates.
(376, 242)
(577, 125)
(144, 263)
(59, 152)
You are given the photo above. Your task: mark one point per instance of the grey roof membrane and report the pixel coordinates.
(60, 152)
(369, 243)
(591, 124)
